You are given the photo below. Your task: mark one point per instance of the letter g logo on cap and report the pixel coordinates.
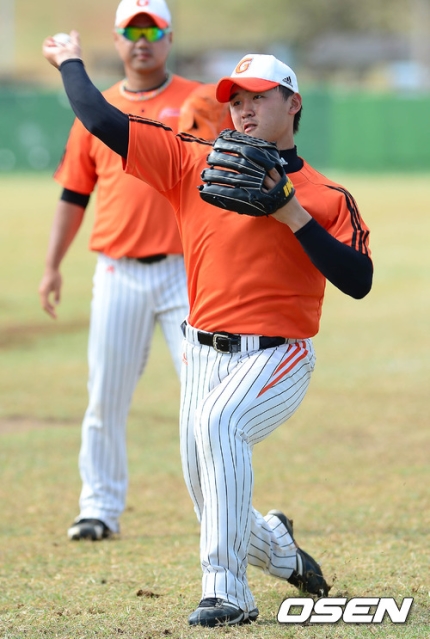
(243, 65)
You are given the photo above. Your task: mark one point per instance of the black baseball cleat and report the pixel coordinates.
(308, 577)
(213, 612)
(92, 529)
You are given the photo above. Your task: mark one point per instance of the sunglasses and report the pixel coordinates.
(151, 34)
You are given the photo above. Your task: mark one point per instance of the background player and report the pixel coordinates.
(202, 115)
(256, 287)
(140, 276)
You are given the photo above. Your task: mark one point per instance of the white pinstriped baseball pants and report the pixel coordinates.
(229, 402)
(128, 299)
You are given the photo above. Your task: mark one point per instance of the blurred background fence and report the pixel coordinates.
(346, 130)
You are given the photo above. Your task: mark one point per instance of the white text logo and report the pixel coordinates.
(331, 609)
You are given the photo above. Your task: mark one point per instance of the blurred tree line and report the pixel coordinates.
(374, 42)
(255, 23)
(301, 32)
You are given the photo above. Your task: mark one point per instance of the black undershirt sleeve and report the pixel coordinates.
(73, 197)
(347, 269)
(100, 118)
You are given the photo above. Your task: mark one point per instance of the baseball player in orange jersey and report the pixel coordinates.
(140, 275)
(202, 115)
(256, 288)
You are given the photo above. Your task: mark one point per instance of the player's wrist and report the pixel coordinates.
(63, 58)
(293, 215)
(51, 268)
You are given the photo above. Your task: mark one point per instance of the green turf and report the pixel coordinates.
(351, 467)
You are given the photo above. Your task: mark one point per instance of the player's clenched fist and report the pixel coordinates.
(58, 49)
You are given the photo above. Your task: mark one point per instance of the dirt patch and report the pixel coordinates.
(23, 424)
(26, 334)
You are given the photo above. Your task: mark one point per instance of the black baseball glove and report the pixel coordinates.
(238, 165)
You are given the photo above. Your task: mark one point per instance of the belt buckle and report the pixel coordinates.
(225, 342)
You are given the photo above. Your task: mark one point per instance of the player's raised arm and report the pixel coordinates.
(98, 116)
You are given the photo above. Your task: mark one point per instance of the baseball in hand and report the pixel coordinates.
(61, 38)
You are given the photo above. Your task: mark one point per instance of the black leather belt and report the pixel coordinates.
(230, 342)
(151, 258)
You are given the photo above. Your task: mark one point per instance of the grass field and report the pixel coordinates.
(351, 468)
